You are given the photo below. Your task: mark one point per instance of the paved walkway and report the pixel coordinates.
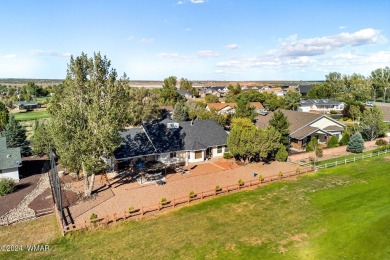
(203, 177)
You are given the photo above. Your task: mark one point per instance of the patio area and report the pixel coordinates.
(118, 195)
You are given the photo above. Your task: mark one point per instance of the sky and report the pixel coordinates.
(197, 39)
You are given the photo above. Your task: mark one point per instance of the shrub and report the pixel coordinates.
(381, 142)
(308, 148)
(240, 182)
(227, 155)
(93, 216)
(333, 112)
(192, 194)
(280, 173)
(333, 142)
(7, 186)
(356, 143)
(131, 209)
(319, 152)
(345, 138)
(282, 154)
(218, 188)
(164, 201)
(261, 178)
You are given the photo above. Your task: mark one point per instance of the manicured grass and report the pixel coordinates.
(31, 115)
(338, 213)
(41, 99)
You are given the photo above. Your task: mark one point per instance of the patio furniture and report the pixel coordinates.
(160, 182)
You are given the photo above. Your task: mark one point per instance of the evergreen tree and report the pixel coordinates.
(180, 112)
(41, 140)
(244, 109)
(345, 138)
(16, 136)
(281, 123)
(292, 100)
(333, 142)
(168, 93)
(282, 154)
(4, 115)
(241, 138)
(356, 143)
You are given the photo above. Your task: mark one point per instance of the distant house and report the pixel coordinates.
(185, 94)
(320, 105)
(26, 105)
(10, 161)
(229, 108)
(166, 111)
(172, 142)
(304, 89)
(306, 125)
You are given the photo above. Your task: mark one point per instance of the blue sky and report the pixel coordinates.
(196, 39)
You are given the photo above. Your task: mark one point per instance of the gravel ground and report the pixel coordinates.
(205, 176)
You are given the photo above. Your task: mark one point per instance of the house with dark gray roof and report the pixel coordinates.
(172, 142)
(185, 93)
(10, 161)
(22, 105)
(304, 89)
(303, 126)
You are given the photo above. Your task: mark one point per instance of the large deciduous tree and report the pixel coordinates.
(16, 136)
(143, 105)
(168, 94)
(87, 115)
(381, 79)
(371, 124)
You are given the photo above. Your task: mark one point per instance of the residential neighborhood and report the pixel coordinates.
(195, 129)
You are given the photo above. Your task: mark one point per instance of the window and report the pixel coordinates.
(173, 155)
(198, 154)
(226, 149)
(219, 149)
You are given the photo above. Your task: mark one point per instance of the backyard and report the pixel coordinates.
(341, 212)
(22, 116)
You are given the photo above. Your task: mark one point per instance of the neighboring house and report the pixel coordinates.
(304, 89)
(171, 143)
(386, 113)
(10, 161)
(216, 91)
(166, 111)
(22, 105)
(185, 94)
(320, 105)
(229, 108)
(306, 125)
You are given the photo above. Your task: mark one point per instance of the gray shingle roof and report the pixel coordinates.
(303, 89)
(9, 157)
(27, 103)
(386, 113)
(158, 138)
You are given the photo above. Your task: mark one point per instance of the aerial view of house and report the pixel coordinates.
(320, 105)
(303, 126)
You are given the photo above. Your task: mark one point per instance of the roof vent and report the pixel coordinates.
(172, 125)
(8, 156)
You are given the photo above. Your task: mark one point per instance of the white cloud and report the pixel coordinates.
(188, 29)
(146, 41)
(321, 45)
(10, 56)
(208, 53)
(167, 55)
(232, 46)
(180, 3)
(50, 53)
(172, 56)
(198, 1)
(342, 27)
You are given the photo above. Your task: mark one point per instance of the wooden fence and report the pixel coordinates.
(177, 202)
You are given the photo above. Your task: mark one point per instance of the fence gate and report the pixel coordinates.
(56, 190)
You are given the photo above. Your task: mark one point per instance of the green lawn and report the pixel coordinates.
(339, 213)
(31, 115)
(42, 99)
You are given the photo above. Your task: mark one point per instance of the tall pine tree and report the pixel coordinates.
(281, 123)
(4, 115)
(356, 143)
(16, 136)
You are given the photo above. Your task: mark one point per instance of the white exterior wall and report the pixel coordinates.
(303, 109)
(12, 173)
(214, 152)
(324, 122)
(192, 157)
(166, 157)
